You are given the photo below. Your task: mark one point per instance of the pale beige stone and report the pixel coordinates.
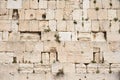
(70, 26)
(43, 25)
(77, 13)
(30, 14)
(51, 4)
(102, 14)
(61, 25)
(60, 4)
(11, 4)
(95, 26)
(15, 26)
(24, 25)
(5, 36)
(26, 4)
(39, 14)
(29, 37)
(92, 14)
(43, 4)
(59, 14)
(14, 36)
(50, 36)
(86, 4)
(50, 14)
(52, 25)
(5, 25)
(111, 14)
(65, 36)
(4, 13)
(33, 25)
(33, 4)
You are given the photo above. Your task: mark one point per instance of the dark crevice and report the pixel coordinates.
(15, 14)
(57, 56)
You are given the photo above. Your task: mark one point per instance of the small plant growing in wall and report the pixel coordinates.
(94, 1)
(97, 71)
(14, 60)
(75, 22)
(93, 61)
(57, 38)
(60, 73)
(110, 4)
(97, 8)
(47, 30)
(115, 19)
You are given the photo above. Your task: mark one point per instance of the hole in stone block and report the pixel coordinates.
(44, 16)
(15, 14)
(14, 60)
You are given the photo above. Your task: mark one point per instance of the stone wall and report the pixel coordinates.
(59, 39)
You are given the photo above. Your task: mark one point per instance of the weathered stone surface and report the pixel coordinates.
(59, 39)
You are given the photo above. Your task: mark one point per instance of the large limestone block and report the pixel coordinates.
(43, 26)
(84, 36)
(21, 14)
(50, 14)
(5, 36)
(24, 25)
(4, 13)
(113, 36)
(86, 4)
(34, 4)
(95, 26)
(102, 14)
(60, 4)
(104, 25)
(25, 4)
(77, 13)
(92, 14)
(50, 36)
(39, 14)
(112, 57)
(43, 4)
(3, 46)
(106, 4)
(29, 37)
(52, 25)
(115, 4)
(14, 4)
(69, 67)
(3, 4)
(14, 36)
(33, 25)
(61, 25)
(33, 57)
(98, 3)
(51, 4)
(59, 14)
(15, 26)
(39, 46)
(70, 26)
(114, 26)
(99, 36)
(6, 57)
(5, 25)
(30, 46)
(65, 36)
(30, 14)
(111, 14)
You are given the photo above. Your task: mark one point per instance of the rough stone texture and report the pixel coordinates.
(59, 39)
